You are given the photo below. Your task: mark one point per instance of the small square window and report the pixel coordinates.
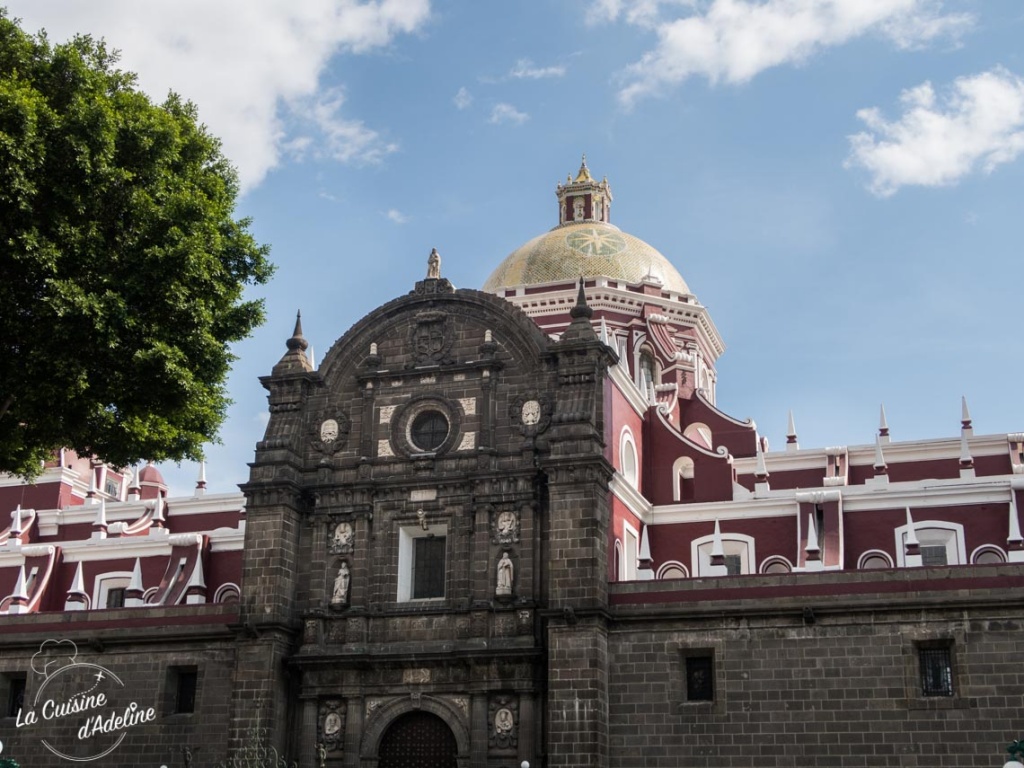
(936, 664)
(934, 555)
(700, 678)
(733, 565)
(115, 598)
(15, 694)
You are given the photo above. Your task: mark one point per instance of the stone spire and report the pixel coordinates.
(580, 328)
(883, 425)
(294, 360)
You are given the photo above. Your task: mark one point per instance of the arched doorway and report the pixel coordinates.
(418, 740)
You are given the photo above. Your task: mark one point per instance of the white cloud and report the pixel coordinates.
(462, 99)
(397, 216)
(524, 69)
(347, 141)
(506, 113)
(978, 123)
(734, 40)
(252, 68)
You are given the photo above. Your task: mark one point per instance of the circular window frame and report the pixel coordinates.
(401, 425)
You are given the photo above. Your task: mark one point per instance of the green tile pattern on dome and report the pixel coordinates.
(587, 248)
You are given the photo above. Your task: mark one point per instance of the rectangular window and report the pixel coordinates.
(182, 685)
(733, 565)
(933, 555)
(936, 670)
(15, 694)
(115, 598)
(700, 678)
(428, 567)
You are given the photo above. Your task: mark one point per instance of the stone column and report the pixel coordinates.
(353, 731)
(306, 747)
(527, 729)
(478, 729)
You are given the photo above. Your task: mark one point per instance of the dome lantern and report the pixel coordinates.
(583, 199)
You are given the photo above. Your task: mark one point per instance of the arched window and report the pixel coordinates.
(628, 464)
(988, 554)
(874, 559)
(700, 434)
(672, 570)
(683, 479)
(647, 372)
(630, 548)
(776, 564)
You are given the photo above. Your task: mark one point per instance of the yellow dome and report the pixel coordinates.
(587, 248)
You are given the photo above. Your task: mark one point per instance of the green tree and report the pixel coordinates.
(122, 269)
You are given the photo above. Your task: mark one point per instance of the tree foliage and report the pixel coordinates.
(122, 269)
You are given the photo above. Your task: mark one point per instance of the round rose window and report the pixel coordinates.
(429, 430)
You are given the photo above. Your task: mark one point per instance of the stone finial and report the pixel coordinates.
(791, 442)
(135, 591)
(717, 550)
(297, 341)
(911, 545)
(883, 425)
(135, 489)
(77, 598)
(880, 466)
(434, 265)
(201, 481)
(19, 597)
(295, 358)
(965, 418)
(581, 308)
(812, 539)
(100, 521)
(584, 173)
(158, 512)
(16, 523)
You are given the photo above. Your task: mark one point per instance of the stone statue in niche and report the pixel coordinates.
(577, 209)
(434, 265)
(341, 585)
(342, 540)
(506, 572)
(506, 527)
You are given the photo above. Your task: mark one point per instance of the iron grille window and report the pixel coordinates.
(936, 670)
(700, 683)
(428, 567)
(115, 598)
(733, 565)
(429, 430)
(933, 555)
(15, 695)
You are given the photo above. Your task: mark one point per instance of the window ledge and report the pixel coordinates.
(933, 703)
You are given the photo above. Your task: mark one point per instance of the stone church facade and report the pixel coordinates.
(512, 526)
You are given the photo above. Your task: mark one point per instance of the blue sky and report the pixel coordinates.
(839, 181)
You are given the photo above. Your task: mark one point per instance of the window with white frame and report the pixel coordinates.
(110, 588)
(738, 549)
(940, 543)
(422, 562)
(627, 457)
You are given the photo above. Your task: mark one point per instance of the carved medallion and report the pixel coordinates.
(532, 413)
(342, 539)
(504, 728)
(332, 724)
(331, 434)
(506, 527)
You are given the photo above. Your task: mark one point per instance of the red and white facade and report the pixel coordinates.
(85, 536)
(698, 494)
